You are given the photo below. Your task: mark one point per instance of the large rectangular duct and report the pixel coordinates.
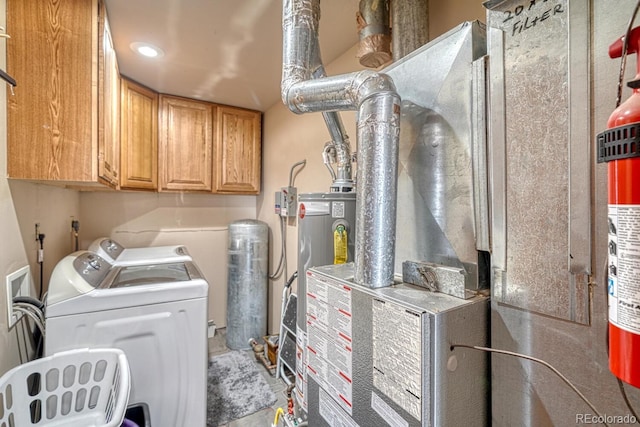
(442, 213)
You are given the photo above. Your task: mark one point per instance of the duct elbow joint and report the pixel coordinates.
(369, 83)
(292, 99)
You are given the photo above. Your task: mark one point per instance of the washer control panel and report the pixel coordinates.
(92, 268)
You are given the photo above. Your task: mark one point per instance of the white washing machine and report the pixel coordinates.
(155, 313)
(116, 254)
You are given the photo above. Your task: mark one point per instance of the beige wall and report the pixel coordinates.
(12, 253)
(53, 208)
(197, 221)
(444, 15)
(22, 204)
(289, 138)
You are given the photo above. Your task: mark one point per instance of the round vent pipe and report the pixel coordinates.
(375, 98)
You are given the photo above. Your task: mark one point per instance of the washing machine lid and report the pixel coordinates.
(77, 274)
(140, 275)
(159, 254)
(117, 254)
(80, 284)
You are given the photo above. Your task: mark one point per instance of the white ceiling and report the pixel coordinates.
(223, 51)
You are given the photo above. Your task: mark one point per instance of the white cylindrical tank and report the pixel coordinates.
(247, 283)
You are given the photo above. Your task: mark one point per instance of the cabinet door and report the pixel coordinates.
(139, 137)
(53, 118)
(109, 106)
(238, 150)
(186, 129)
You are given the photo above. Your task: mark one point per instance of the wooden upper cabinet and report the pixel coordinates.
(109, 105)
(53, 116)
(139, 137)
(75, 120)
(185, 144)
(238, 150)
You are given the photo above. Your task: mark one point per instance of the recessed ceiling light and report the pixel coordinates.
(146, 49)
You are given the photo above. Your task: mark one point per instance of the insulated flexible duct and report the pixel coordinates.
(343, 181)
(374, 97)
(374, 49)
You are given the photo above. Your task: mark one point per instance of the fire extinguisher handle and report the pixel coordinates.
(615, 50)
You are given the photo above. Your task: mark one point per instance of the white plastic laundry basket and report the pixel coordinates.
(79, 388)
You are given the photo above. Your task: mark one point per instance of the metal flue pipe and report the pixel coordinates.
(343, 182)
(344, 179)
(374, 97)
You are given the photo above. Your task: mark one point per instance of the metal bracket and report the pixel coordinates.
(436, 278)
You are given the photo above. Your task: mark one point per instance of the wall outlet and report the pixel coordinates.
(211, 329)
(18, 284)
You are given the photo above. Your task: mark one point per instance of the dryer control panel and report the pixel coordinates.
(91, 267)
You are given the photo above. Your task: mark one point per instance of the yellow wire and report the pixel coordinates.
(279, 412)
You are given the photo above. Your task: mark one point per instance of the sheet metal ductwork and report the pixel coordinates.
(375, 98)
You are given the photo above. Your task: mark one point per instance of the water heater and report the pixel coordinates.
(326, 235)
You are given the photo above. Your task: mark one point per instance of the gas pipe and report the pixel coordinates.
(619, 145)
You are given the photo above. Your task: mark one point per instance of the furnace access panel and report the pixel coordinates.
(383, 356)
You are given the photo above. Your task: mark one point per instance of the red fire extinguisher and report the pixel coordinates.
(619, 145)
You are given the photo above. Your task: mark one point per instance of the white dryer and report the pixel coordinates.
(116, 254)
(155, 313)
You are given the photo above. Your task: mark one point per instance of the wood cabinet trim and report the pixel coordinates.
(108, 104)
(185, 164)
(139, 147)
(234, 174)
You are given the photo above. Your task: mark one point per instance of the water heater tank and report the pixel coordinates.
(319, 215)
(247, 283)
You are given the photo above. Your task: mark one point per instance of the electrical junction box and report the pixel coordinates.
(383, 356)
(287, 202)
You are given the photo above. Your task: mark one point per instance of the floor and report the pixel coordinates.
(265, 417)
